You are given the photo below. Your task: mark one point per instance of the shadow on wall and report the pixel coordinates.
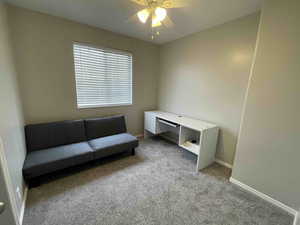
(226, 138)
(220, 146)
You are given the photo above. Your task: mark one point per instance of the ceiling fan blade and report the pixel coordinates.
(140, 2)
(132, 19)
(170, 4)
(168, 22)
(159, 2)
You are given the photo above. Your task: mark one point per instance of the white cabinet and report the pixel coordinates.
(196, 136)
(150, 122)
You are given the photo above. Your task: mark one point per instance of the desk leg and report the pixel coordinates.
(198, 164)
(208, 144)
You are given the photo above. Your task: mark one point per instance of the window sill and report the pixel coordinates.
(103, 106)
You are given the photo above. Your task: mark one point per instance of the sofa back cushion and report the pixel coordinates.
(47, 135)
(102, 127)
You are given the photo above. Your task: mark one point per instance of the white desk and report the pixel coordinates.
(194, 135)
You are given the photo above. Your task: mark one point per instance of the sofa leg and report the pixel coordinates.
(133, 151)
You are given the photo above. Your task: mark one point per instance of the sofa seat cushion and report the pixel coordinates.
(113, 144)
(52, 159)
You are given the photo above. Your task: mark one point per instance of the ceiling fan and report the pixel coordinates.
(156, 12)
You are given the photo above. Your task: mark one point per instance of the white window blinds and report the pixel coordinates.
(103, 76)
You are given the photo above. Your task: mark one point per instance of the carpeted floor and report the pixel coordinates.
(158, 186)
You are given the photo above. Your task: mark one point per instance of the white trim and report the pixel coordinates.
(8, 182)
(120, 51)
(22, 211)
(264, 196)
(297, 218)
(104, 105)
(237, 147)
(221, 162)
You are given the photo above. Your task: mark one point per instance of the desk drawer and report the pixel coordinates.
(168, 123)
(166, 126)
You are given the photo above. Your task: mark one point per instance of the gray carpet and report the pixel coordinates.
(158, 186)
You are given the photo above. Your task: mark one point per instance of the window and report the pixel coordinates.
(103, 76)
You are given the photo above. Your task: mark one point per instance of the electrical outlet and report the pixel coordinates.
(19, 193)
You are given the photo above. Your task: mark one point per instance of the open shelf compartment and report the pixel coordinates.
(189, 139)
(168, 130)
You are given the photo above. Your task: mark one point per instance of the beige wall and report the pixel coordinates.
(268, 150)
(11, 118)
(205, 76)
(43, 46)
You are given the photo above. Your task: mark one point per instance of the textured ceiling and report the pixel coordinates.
(117, 15)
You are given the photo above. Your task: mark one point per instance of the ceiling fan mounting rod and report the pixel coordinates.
(153, 3)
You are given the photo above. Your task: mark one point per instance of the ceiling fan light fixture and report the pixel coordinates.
(143, 15)
(155, 21)
(155, 11)
(160, 13)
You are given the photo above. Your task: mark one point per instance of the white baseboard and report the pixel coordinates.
(22, 211)
(265, 197)
(223, 163)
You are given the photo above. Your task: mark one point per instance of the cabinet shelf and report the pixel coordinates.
(190, 139)
(192, 147)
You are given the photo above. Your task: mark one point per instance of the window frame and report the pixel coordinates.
(112, 50)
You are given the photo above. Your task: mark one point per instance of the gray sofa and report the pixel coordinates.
(58, 145)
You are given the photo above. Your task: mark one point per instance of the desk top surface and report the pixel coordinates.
(184, 120)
